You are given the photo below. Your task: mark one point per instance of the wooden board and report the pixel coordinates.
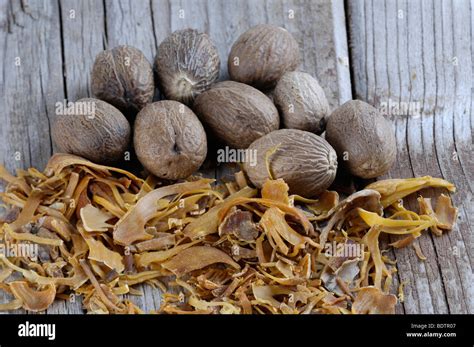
(57, 41)
(32, 81)
(421, 52)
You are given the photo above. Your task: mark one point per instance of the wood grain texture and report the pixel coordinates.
(57, 41)
(421, 52)
(82, 37)
(32, 81)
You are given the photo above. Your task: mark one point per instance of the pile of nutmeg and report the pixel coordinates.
(265, 94)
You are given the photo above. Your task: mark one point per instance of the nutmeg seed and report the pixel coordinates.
(305, 161)
(261, 55)
(169, 140)
(123, 77)
(187, 64)
(92, 129)
(301, 102)
(362, 138)
(236, 113)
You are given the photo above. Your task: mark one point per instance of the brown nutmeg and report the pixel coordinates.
(305, 161)
(187, 64)
(237, 113)
(123, 77)
(169, 140)
(261, 55)
(363, 139)
(301, 102)
(92, 129)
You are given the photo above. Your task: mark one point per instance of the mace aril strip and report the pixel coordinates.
(247, 251)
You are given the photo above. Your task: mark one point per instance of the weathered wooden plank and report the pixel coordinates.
(318, 26)
(132, 23)
(161, 17)
(82, 37)
(422, 54)
(453, 143)
(311, 23)
(70, 34)
(32, 82)
(404, 53)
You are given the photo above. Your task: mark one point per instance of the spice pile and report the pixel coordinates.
(101, 231)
